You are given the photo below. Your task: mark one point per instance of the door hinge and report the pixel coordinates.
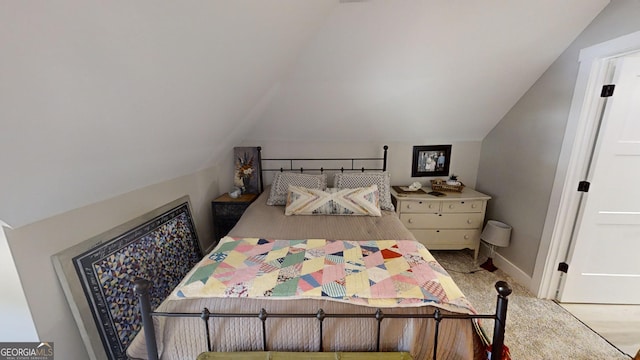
(564, 267)
(583, 186)
(607, 90)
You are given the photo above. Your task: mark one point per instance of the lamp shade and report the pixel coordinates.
(496, 233)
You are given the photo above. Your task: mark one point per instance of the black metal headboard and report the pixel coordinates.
(321, 169)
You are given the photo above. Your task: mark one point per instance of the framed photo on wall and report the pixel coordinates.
(431, 160)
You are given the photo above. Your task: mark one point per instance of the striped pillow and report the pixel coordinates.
(358, 201)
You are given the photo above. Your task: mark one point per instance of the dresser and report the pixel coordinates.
(450, 222)
(227, 211)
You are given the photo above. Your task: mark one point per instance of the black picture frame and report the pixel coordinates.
(431, 160)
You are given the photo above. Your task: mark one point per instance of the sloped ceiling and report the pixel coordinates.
(100, 98)
(416, 70)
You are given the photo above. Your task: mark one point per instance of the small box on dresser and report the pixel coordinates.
(227, 211)
(450, 222)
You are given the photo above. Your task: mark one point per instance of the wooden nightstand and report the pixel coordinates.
(227, 211)
(450, 222)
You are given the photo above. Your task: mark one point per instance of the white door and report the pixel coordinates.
(604, 266)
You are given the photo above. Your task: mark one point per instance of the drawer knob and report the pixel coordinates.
(451, 206)
(408, 206)
(410, 221)
(469, 221)
(466, 237)
(473, 206)
(430, 206)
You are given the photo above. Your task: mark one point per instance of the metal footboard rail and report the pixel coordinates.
(142, 287)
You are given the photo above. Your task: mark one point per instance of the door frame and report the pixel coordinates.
(576, 148)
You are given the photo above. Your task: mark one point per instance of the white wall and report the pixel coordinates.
(520, 155)
(102, 98)
(33, 245)
(400, 70)
(14, 310)
(465, 155)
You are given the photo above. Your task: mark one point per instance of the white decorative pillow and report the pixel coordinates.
(355, 180)
(360, 201)
(282, 180)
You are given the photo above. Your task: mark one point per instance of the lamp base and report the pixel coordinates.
(488, 265)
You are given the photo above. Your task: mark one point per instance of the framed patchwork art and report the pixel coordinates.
(97, 275)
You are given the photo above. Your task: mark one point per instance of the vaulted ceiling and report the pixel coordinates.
(100, 98)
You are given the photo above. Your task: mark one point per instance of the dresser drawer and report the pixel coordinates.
(420, 206)
(442, 221)
(420, 221)
(446, 239)
(462, 206)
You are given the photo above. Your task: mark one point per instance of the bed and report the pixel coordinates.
(237, 287)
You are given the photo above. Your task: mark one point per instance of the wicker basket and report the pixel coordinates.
(441, 185)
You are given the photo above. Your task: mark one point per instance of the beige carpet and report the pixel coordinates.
(536, 328)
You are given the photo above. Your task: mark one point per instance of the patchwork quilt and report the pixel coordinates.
(377, 273)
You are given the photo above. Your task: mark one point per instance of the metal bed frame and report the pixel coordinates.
(321, 169)
(142, 288)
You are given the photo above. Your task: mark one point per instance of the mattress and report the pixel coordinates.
(182, 338)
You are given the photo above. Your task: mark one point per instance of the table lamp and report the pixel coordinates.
(495, 233)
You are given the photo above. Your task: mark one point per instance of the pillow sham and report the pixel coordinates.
(360, 201)
(355, 180)
(282, 180)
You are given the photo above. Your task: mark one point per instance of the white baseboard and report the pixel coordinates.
(508, 267)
